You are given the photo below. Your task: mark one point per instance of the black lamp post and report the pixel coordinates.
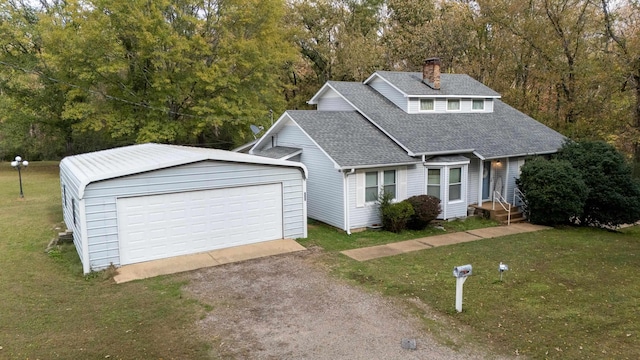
(18, 164)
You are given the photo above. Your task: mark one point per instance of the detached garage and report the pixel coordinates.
(147, 202)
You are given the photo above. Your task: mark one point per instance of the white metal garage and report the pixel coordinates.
(176, 200)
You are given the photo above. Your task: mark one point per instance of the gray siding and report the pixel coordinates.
(368, 215)
(474, 181)
(325, 186)
(390, 93)
(70, 184)
(331, 101)
(455, 209)
(100, 198)
(513, 174)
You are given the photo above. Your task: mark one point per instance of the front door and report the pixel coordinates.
(486, 180)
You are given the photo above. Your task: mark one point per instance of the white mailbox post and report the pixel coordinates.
(461, 273)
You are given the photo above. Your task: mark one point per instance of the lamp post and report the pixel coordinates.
(18, 164)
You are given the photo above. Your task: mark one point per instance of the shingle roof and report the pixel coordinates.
(451, 84)
(504, 132)
(349, 139)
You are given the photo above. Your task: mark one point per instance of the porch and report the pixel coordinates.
(486, 210)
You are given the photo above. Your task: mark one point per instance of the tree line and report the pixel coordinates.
(79, 75)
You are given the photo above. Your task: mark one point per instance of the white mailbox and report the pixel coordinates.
(462, 271)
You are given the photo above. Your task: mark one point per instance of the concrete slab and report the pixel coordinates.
(453, 238)
(409, 245)
(372, 252)
(201, 260)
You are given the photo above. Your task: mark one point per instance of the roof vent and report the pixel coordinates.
(431, 72)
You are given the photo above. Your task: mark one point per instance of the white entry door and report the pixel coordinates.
(159, 226)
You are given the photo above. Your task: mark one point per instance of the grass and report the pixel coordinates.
(570, 293)
(333, 239)
(48, 309)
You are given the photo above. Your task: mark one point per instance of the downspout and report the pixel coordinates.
(347, 222)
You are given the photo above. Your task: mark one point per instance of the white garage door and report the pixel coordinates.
(160, 226)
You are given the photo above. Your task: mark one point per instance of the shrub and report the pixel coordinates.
(614, 195)
(555, 192)
(394, 215)
(426, 209)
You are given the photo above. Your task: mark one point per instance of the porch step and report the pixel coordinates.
(500, 214)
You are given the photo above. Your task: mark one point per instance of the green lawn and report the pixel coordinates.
(569, 294)
(49, 310)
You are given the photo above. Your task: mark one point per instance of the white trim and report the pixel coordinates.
(375, 74)
(84, 235)
(433, 103)
(304, 208)
(484, 105)
(459, 104)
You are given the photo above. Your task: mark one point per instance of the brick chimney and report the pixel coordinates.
(431, 72)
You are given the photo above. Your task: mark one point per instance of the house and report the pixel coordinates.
(408, 133)
(151, 201)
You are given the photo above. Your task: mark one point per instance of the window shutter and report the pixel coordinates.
(360, 189)
(402, 184)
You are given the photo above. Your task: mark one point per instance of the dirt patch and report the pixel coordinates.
(287, 307)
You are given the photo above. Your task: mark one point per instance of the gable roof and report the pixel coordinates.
(410, 84)
(135, 159)
(349, 139)
(503, 132)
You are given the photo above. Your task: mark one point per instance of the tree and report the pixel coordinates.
(622, 27)
(614, 196)
(555, 192)
(170, 71)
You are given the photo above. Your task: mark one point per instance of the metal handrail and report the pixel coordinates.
(497, 197)
(519, 195)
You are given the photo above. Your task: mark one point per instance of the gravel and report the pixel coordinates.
(288, 307)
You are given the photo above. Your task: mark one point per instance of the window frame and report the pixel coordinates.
(451, 101)
(380, 182)
(433, 105)
(377, 185)
(458, 184)
(475, 101)
(438, 185)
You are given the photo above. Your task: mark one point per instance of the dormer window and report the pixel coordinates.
(426, 105)
(478, 104)
(453, 104)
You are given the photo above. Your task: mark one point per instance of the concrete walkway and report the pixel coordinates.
(374, 252)
(177, 264)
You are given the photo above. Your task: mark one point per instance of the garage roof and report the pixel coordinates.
(135, 159)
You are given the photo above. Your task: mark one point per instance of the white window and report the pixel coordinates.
(433, 182)
(453, 104)
(389, 184)
(426, 105)
(378, 181)
(478, 104)
(455, 184)
(371, 186)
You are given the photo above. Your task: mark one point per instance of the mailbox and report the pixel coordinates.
(462, 271)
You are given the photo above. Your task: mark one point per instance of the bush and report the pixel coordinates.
(395, 216)
(614, 195)
(555, 192)
(426, 208)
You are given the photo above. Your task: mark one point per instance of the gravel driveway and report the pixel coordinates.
(288, 307)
